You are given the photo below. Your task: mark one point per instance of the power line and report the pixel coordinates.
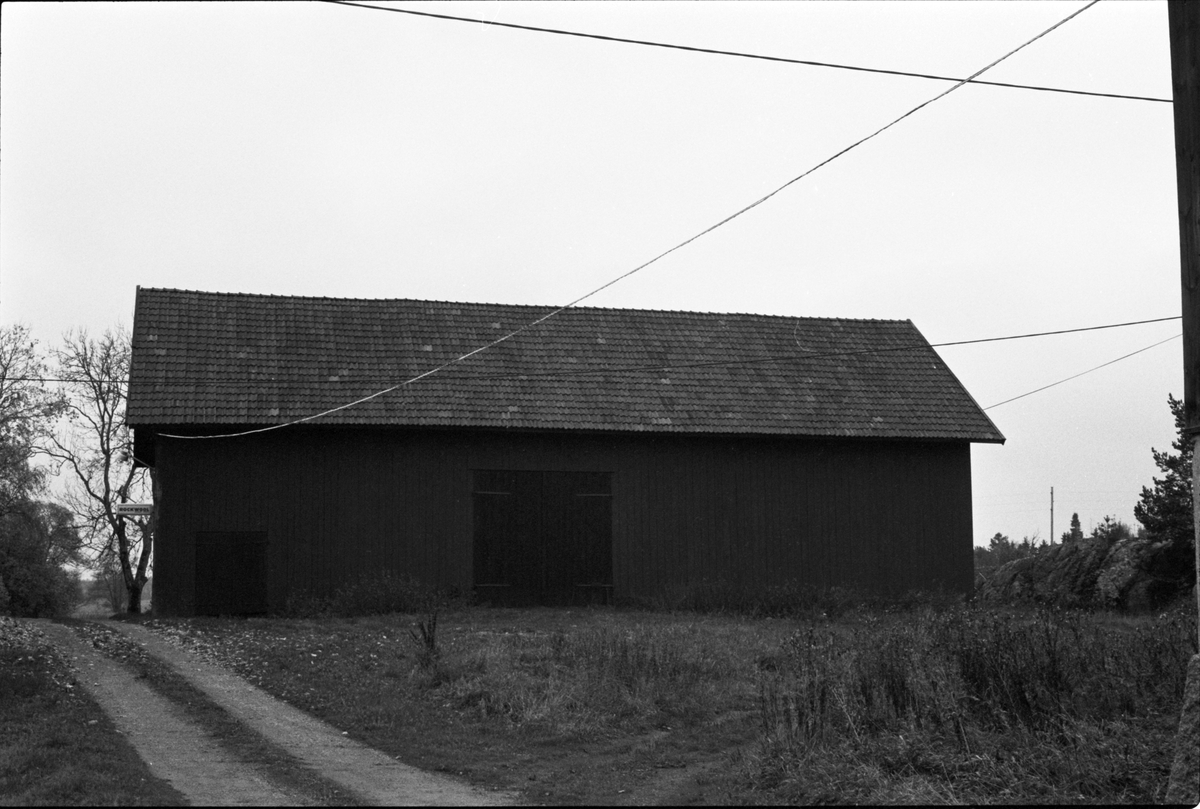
(741, 54)
(662, 255)
(736, 362)
(1081, 373)
(1061, 331)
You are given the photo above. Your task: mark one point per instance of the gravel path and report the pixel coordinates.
(174, 748)
(179, 752)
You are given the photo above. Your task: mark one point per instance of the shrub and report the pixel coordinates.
(791, 600)
(33, 589)
(37, 541)
(1000, 551)
(375, 594)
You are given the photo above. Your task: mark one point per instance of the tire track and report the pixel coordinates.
(360, 769)
(176, 749)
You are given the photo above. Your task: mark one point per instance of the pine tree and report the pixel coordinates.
(1166, 510)
(1076, 532)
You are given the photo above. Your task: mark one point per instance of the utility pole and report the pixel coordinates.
(1183, 21)
(1051, 515)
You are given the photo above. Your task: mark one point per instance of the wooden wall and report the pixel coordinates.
(885, 516)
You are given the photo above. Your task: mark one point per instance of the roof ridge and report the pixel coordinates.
(326, 298)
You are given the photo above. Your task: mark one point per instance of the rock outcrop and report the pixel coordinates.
(1135, 574)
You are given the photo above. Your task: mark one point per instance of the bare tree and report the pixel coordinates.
(95, 448)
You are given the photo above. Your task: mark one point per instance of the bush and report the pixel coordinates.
(1000, 551)
(36, 542)
(792, 600)
(36, 589)
(374, 594)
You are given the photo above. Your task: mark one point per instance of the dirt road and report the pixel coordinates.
(196, 763)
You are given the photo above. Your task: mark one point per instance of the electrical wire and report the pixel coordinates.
(740, 54)
(1060, 331)
(660, 256)
(1081, 373)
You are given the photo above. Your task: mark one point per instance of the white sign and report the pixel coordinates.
(134, 509)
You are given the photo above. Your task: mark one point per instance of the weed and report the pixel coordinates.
(426, 643)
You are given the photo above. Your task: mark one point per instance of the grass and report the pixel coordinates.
(929, 705)
(793, 696)
(58, 747)
(567, 706)
(974, 706)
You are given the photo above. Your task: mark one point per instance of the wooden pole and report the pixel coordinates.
(1183, 21)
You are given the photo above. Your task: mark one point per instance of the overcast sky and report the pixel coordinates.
(316, 149)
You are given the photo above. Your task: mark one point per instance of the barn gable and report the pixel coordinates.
(634, 449)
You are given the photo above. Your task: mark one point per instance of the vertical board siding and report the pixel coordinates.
(752, 513)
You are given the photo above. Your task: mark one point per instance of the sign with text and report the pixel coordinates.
(134, 509)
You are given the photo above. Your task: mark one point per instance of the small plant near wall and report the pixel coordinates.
(425, 639)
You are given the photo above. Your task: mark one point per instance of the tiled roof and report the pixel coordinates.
(202, 358)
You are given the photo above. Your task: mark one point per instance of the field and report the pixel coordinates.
(920, 705)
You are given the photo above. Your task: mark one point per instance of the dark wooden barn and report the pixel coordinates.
(604, 453)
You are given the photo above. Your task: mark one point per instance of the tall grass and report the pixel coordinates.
(958, 705)
(956, 689)
(594, 678)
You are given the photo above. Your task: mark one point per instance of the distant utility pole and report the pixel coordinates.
(1051, 515)
(1183, 21)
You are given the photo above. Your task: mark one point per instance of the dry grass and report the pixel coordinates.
(949, 705)
(567, 706)
(974, 706)
(596, 679)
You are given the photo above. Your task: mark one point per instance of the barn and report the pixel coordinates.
(600, 455)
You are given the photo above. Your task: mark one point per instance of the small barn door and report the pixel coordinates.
(543, 537)
(231, 573)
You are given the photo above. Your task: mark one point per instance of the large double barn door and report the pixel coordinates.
(543, 537)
